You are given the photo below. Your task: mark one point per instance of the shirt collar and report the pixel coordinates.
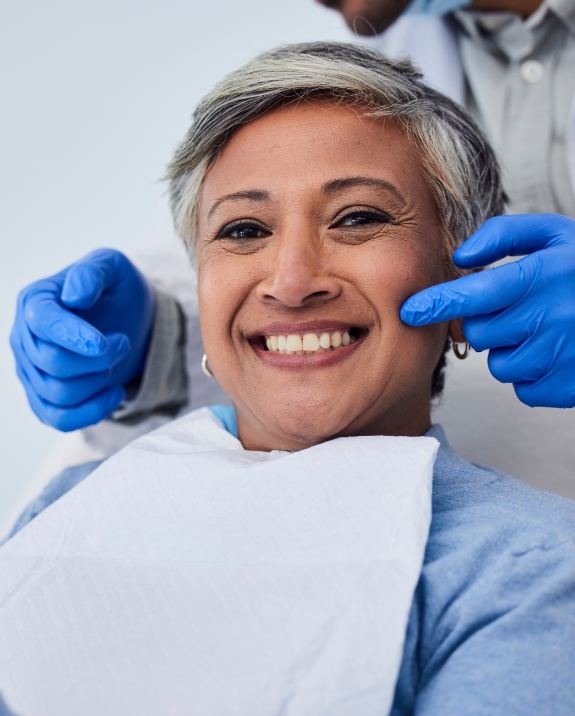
(509, 34)
(437, 432)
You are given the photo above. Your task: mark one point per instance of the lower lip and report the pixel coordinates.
(280, 360)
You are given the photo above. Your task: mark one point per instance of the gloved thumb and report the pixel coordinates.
(83, 286)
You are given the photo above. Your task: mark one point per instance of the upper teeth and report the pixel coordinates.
(308, 343)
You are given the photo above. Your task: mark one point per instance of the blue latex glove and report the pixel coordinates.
(523, 312)
(435, 7)
(81, 335)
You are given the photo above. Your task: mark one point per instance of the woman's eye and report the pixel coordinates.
(363, 218)
(243, 231)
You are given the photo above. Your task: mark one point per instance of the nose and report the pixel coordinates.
(300, 275)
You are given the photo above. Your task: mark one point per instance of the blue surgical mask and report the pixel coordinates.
(435, 7)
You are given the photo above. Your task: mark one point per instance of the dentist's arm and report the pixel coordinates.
(84, 335)
(522, 312)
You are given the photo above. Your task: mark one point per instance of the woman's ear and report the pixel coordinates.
(456, 331)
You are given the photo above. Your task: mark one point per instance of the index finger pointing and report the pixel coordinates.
(478, 293)
(48, 320)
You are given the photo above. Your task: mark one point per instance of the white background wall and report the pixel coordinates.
(95, 95)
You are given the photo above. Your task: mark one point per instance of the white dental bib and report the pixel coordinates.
(188, 576)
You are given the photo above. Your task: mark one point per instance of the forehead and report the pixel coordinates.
(304, 145)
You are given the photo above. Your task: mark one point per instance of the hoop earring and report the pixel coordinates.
(458, 354)
(206, 367)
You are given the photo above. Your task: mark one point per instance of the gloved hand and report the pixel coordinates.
(524, 311)
(81, 335)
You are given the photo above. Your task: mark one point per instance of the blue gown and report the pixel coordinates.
(492, 624)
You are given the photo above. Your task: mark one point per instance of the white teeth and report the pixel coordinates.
(309, 343)
(325, 340)
(294, 343)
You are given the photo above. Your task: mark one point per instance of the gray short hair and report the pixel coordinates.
(459, 164)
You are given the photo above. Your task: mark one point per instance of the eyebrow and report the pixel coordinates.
(338, 185)
(250, 195)
(332, 187)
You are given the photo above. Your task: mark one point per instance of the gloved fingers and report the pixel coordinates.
(527, 362)
(61, 363)
(478, 293)
(90, 412)
(50, 322)
(547, 392)
(506, 328)
(33, 399)
(68, 392)
(93, 411)
(503, 236)
(87, 279)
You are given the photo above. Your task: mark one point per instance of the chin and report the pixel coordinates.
(309, 426)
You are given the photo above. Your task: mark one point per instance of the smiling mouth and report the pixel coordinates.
(308, 344)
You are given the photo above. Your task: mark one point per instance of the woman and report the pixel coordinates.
(319, 187)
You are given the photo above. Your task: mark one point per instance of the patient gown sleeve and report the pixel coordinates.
(508, 649)
(492, 627)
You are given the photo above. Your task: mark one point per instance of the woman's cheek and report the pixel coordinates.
(213, 300)
(223, 287)
(391, 278)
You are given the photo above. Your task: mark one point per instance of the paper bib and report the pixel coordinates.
(188, 576)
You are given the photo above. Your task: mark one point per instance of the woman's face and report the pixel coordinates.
(315, 225)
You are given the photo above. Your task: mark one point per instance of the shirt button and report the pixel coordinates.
(532, 72)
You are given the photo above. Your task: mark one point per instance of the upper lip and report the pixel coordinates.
(292, 328)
